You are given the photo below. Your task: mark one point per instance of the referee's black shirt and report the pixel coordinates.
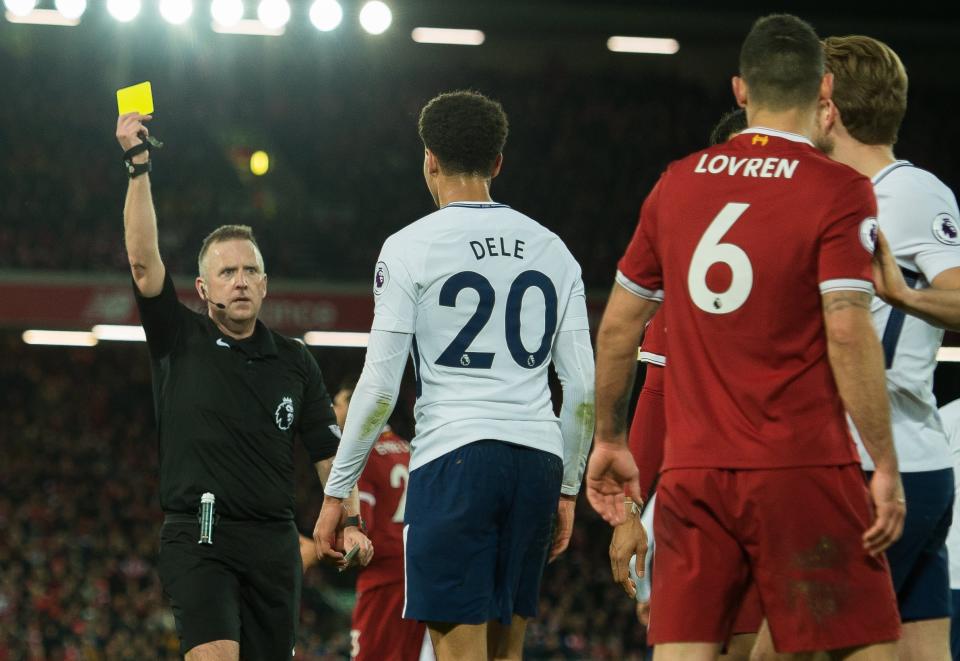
(228, 410)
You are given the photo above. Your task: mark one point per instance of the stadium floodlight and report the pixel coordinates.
(375, 17)
(336, 339)
(20, 8)
(60, 338)
(226, 13)
(326, 14)
(274, 13)
(117, 333)
(176, 12)
(450, 36)
(124, 10)
(647, 45)
(71, 9)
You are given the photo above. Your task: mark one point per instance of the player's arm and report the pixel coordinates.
(139, 216)
(371, 405)
(938, 305)
(619, 336)
(856, 359)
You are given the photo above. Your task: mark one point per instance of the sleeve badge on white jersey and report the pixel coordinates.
(380, 278)
(868, 234)
(945, 229)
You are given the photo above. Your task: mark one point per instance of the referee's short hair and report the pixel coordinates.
(228, 233)
(465, 130)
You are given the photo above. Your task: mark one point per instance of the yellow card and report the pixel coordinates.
(136, 98)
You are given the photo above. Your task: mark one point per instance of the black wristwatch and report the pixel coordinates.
(356, 521)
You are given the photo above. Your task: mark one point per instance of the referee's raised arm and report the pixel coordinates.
(139, 217)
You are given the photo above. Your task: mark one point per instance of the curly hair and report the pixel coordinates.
(465, 130)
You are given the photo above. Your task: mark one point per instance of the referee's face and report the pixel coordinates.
(234, 277)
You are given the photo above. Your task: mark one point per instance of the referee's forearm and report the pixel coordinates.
(140, 236)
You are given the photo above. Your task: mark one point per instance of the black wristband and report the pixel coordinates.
(356, 521)
(134, 170)
(135, 150)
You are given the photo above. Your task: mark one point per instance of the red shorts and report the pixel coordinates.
(797, 532)
(378, 630)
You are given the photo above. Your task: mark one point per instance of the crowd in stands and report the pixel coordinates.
(80, 520)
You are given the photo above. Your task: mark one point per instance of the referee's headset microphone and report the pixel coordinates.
(207, 298)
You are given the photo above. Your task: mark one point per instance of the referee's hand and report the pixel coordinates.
(612, 475)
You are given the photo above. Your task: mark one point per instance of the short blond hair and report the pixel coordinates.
(869, 89)
(228, 233)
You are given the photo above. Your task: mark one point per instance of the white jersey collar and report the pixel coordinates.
(875, 179)
(786, 135)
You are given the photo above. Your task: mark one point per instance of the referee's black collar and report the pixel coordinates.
(261, 343)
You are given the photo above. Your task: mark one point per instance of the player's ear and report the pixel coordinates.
(826, 87)
(739, 90)
(497, 164)
(431, 163)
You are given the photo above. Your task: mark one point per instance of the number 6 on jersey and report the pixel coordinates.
(709, 252)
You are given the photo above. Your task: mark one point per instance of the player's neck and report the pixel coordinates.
(463, 188)
(238, 330)
(790, 121)
(868, 160)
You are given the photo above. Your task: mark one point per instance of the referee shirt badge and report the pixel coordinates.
(284, 415)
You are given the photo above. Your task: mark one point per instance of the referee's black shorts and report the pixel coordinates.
(244, 587)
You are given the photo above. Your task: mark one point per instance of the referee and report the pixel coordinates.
(230, 395)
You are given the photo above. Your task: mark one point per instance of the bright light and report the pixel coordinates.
(227, 12)
(123, 10)
(650, 45)
(274, 13)
(259, 163)
(176, 11)
(71, 8)
(119, 333)
(336, 339)
(60, 338)
(375, 17)
(43, 17)
(20, 7)
(326, 14)
(447, 36)
(250, 26)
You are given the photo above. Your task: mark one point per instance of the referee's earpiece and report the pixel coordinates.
(206, 297)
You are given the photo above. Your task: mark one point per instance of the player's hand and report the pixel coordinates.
(131, 131)
(308, 552)
(324, 533)
(561, 536)
(886, 489)
(887, 276)
(353, 537)
(629, 539)
(611, 476)
(643, 613)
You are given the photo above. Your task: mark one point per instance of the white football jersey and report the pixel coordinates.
(918, 215)
(950, 414)
(484, 289)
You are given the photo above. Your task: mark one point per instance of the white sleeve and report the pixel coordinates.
(370, 407)
(575, 316)
(923, 230)
(394, 290)
(573, 358)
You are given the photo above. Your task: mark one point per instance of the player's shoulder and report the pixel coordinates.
(904, 179)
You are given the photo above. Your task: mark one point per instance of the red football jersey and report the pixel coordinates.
(744, 237)
(383, 496)
(653, 349)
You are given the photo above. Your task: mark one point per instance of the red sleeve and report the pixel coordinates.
(648, 432)
(367, 485)
(847, 239)
(638, 271)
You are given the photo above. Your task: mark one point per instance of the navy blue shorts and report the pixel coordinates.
(477, 528)
(918, 560)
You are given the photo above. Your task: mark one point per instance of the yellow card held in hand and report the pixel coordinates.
(136, 98)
